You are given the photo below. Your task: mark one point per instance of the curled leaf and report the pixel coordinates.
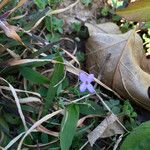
(123, 72)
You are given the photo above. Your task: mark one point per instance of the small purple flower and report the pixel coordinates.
(86, 82)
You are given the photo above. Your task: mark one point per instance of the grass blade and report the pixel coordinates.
(68, 126)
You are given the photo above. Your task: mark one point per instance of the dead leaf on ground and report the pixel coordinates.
(10, 31)
(123, 72)
(107, 128)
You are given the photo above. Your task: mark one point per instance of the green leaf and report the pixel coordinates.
(86, 2)
(136, 11)
(91, 108)
(147, 24)
(33, 76)
(11, 118)
(41, 3)
(134, 141)
(68, 126)
(3, 125)
(57, 76)
(54, 24)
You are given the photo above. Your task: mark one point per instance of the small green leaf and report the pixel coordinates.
(68, 126)
(33, 76)
(136, 11)
(40, 3)
(134, 140)
(91, 108)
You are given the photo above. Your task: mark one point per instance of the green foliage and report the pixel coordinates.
(41, 3)
(76, 26)
(104, 11)
(147, 24)
(86, 2)
(68, 126)
(57, 76)
(91, 108)
(125, 26)
(128, 111)
(114, 105)
(33, 76)
(54, 24)
(53, 37)
(138, 139)
(119, 4)
(80, 56)
(146, 38)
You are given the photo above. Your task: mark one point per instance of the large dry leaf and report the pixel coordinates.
(136, 11)
(122, 72)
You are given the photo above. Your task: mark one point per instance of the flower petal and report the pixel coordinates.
(90, 78)
(83, 87)
(83, 76)
(90, 88)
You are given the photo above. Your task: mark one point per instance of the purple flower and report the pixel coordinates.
(86, 82)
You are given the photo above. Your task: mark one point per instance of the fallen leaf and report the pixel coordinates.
(136, 11)
(123, 71)
(107, 128)
(10, 31)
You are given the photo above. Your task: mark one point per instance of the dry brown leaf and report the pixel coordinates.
(122, 72)
(108, 127)
(10, 31)
(3, 3)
